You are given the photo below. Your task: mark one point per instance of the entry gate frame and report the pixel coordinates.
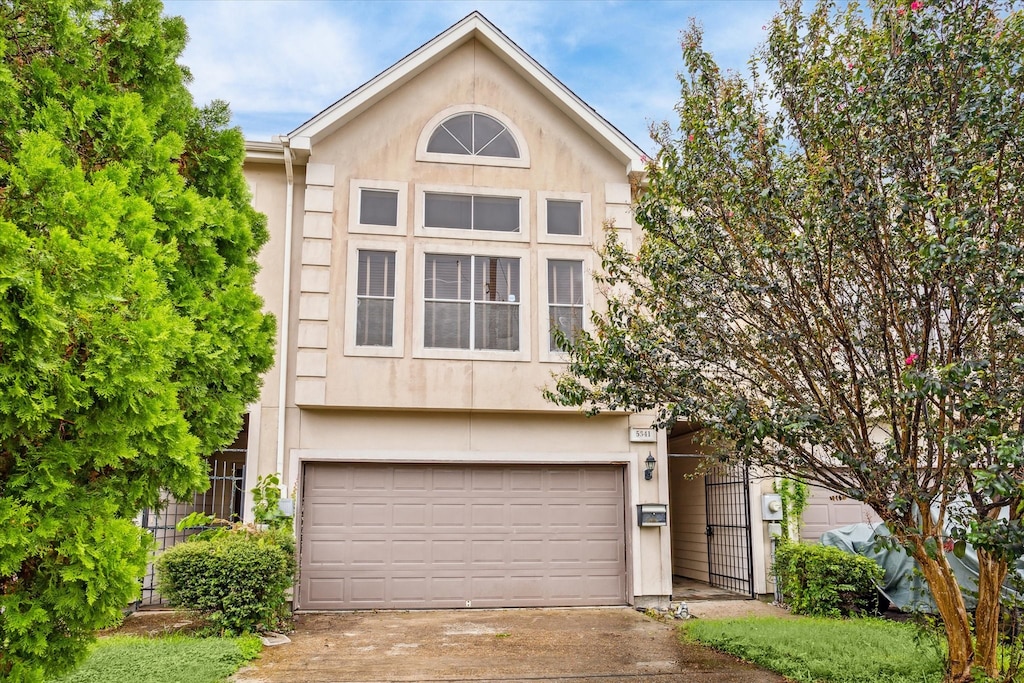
(731, 550)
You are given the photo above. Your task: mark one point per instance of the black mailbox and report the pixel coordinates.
(652, 514)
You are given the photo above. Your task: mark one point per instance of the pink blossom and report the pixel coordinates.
(849, 65)
(916, 5)
(691, 137)
(860, 88)
(911, 359)
(644, 158)
(901, 11)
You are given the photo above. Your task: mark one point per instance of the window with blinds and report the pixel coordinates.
(471, 302)
(375, 298)
(565, 299)
(470, 212)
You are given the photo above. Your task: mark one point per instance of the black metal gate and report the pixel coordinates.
(730, 543)
(223, 500)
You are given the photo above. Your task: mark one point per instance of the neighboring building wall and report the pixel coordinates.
(688, 518)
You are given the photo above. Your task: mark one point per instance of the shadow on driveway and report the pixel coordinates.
(601, 645)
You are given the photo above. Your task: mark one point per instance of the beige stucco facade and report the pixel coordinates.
(407, 402)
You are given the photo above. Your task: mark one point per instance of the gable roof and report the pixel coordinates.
(473, 26)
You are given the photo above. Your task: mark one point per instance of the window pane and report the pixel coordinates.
(496, 213)
(447, 277)
(445, 325)
(496, 279)
(497, 327)
(374, 322)
(376, 273)
(504, 145)
(378, 207)
(485, 130)
(443, 142)
(568, 319)
(565, 282)
(564, 217)
(448, 210)
(461, 128)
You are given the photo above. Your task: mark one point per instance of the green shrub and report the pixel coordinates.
(236, 579)
(824, 581)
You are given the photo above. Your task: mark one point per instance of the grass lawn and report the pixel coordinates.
(171, 659)
(831, 650)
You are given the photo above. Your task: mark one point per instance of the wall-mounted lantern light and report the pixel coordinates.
(649, 469)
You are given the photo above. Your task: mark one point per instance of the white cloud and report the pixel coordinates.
(270, 56)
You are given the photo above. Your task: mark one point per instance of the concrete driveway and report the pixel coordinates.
(573, 645)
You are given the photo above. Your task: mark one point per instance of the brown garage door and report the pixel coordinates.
(418, 536)
(827, 510)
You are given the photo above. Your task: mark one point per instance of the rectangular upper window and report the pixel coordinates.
(471, 302)
(471, 212)
(565, 299)
(375, 298)
(378, 207)
(564, 217)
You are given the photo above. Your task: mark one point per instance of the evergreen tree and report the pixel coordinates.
(130, 336)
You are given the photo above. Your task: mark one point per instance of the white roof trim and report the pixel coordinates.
(473, 26)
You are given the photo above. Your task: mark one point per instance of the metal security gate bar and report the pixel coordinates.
(223, 500)
(730, 543)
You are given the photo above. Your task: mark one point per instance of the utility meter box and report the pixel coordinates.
(771, 507)
(652, 514)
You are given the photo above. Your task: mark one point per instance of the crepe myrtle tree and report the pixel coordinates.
(130, 336)
(832, 277)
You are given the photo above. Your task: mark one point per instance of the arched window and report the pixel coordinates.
(473, 134)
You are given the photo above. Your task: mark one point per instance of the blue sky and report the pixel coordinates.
(278, 62)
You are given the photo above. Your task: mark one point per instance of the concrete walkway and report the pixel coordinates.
(600, 645)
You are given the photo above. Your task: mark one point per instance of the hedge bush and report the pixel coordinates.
(824, 581)
(237, 579)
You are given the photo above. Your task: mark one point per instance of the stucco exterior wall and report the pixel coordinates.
(407, 403)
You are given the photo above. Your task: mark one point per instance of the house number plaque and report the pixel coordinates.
(642, 435)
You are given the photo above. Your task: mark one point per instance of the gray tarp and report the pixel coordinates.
(905, 587)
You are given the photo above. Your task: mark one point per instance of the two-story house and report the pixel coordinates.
(429, 233)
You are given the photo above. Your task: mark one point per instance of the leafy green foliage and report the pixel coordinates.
(237, 580)
(266, 498)
(826, 582)
(830, 280)
(814, 650)
(130, 337)
(794, 499)
(164, 660)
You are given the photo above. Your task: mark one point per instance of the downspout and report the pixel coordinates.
(282, 393)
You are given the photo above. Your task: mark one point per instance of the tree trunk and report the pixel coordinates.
(991, 575)
(950, 602)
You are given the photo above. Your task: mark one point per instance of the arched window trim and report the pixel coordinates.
(428, 130)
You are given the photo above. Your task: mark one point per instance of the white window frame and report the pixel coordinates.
(586, 232)
(525, 302)
(397, 348)
(428, 130)
(546, 355)
(356, 186)
(459, 233)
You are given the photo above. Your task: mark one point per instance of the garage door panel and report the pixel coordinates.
(328, 551)
(439, 536)
(448, 479)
